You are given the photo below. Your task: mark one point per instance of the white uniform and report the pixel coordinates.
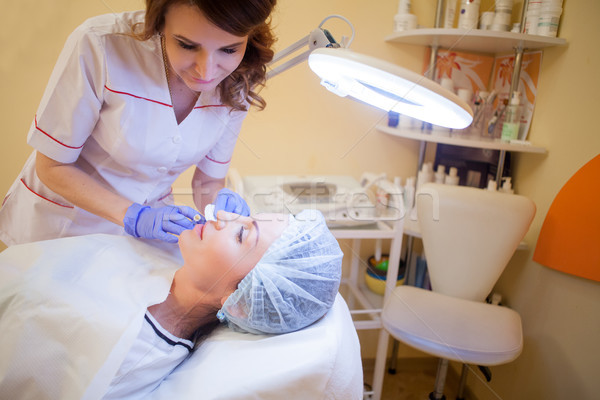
(152, 357)
(107, 109)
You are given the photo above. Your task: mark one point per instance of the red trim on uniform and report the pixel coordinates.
(57, 141)
(137, 97)
(37, 194)
(210, 105)
(166, 195)
(218, 162)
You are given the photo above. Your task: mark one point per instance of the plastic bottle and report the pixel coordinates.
(502, 16)
(512, 119)
(469, 14)
(404, 19)
(449, 13)
(491, 186)
(440, 174)
(549, 20)
(467, 96)
(437, 130)
(425, 175)
(507, 185)
(409, 193)
(452, 178)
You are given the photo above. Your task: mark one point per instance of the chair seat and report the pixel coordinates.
(453, 328)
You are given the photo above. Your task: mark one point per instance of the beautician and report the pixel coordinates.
(134, 100)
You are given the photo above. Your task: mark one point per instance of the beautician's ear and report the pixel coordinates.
(224, 298)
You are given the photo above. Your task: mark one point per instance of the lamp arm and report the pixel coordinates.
(317, 38)
(290, 49)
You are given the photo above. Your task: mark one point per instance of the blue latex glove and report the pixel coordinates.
(231, 202)
(160, 223)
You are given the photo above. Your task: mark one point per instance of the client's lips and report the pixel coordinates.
(199, 229)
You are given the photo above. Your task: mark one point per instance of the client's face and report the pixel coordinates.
(223, 252)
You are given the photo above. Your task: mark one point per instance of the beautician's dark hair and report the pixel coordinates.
(239, 18)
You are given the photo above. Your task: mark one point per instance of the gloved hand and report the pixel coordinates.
(161, 222)
(231, 202)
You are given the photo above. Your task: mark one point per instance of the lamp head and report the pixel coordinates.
(389, 87)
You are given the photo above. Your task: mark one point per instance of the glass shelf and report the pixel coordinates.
(474, 40)
(480, 143)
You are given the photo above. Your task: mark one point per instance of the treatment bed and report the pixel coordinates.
(70, 309)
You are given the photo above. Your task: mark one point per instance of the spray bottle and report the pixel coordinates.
(512, 119)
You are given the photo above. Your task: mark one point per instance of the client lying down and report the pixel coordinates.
(273, 274)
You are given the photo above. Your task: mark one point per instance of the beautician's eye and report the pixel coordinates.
(229, 51)
(185, 46)
(240, 235)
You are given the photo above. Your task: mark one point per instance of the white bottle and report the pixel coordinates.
(440, 174)
(404, 19)
(452, 178)
(449, 13)
(409, 194)
(425, 175)
(469, 14)
(507, 185)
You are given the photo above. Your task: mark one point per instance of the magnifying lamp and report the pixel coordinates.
(374, 81)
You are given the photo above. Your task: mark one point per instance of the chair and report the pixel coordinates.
(469, 235)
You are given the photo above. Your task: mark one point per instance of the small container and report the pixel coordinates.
(425, 175)
(393, 119)
(467, 96)
(440, 174)
(404, 7)
(512, 119)
(404, 22)
(376, 274)
(549, 20)
(507, 185)
(452, 178)
(449, 13)
(501, 21)
(486, 20)
(409, 193)
(531, 21)
(469, 14)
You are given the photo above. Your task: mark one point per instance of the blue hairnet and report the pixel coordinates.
(293, 285)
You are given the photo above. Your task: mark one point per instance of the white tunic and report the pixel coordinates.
(107, 109)
(152, 357)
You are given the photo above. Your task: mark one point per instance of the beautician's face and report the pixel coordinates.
(200, 53)
(231, 246)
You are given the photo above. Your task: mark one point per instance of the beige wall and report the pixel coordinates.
(308, 130)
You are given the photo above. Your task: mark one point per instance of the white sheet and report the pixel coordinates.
(318, 362)
(64, 334)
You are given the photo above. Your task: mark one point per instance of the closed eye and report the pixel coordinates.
(240, 235)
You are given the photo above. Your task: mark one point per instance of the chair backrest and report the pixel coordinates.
(469, 235)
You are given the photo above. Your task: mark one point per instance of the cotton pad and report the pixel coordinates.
(209, 212)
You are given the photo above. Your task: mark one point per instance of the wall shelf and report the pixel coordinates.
(474, 40)
(456, 140)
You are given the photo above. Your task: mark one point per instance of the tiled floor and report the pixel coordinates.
(414, 379)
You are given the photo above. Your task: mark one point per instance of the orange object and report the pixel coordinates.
(570, 237)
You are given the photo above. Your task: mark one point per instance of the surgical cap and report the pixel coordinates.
(293, 285)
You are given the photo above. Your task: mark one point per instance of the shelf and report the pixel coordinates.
(481, 41)
(492, 144)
